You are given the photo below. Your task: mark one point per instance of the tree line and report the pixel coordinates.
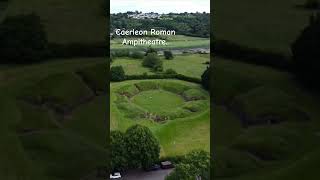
(190, 24)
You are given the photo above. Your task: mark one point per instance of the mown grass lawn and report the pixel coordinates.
(158, 100)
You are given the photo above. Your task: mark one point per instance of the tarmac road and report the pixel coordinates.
(143, 175)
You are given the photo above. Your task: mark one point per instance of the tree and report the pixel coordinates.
(118, 151)
(137, 55)
(117, 73)
(182, 171)
(153, 61)
(306, 54)
(195, 165)
(168, 55)
(205, 78)
(142, 147)
(23, 39)
(151, 50)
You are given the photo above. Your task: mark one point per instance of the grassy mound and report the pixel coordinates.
(264, 105)
(229, 162)
(70, 156)
(268, 143)
(34, 118)
(60, 91)
(285, 150)
(305, 168)
(34, 145)
(95, 76)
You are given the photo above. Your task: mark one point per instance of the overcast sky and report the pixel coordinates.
(160, 6)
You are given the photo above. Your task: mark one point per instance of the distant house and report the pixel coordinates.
(150, 15)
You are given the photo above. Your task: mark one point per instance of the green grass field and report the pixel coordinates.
(157, 100)
(191, 65)
(73, 21)
(174, 42)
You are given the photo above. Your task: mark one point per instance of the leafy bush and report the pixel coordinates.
(194, 165)
(137, 55)
(170, 71)
(120, 53)
(306, 54)
(153, 61)
(143, 148)
(23, 39)
(151, 50)
(168, 55)
(118, 151)
(117, 73)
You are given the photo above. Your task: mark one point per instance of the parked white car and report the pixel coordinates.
(116, 175)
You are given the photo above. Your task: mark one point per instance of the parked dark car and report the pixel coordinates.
(153, 167)
(166, 165)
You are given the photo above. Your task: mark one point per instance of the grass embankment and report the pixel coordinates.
(265, 124)
(38, 140)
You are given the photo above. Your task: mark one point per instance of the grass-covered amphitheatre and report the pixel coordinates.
(160, 100)
(176, 111)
